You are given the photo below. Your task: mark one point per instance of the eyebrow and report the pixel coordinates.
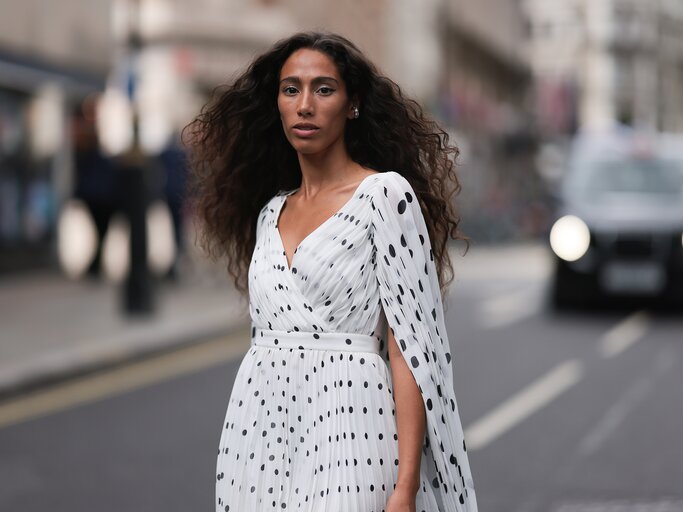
(297, 80)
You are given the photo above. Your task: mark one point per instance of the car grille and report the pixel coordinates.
(633, 245)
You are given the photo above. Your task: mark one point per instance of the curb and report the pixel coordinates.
(118, 350)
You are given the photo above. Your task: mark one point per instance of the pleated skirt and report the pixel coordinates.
(310, 426)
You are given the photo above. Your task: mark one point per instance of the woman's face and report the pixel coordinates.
(312, 101)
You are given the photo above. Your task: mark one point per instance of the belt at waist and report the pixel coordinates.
(306, 340)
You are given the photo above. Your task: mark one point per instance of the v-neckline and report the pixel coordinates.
(284, 197)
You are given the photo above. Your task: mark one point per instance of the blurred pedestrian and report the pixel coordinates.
(97, 181)
(329, 193)
(174, 166)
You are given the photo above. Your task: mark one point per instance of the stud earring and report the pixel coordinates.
(356, 112)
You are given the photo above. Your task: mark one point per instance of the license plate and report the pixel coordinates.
(633, 277)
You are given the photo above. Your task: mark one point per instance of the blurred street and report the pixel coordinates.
(570, 412)
(54, 327)
(120, 339)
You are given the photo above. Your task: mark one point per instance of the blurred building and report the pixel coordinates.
(604, 61)
(463, 59)
(485, 97)
(52, 55)
(487, 77)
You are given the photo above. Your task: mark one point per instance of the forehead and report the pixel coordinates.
(306, 63)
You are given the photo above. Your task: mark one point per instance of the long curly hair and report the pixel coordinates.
(240, 158)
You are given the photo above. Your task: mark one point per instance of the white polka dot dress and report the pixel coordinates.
(310, 424)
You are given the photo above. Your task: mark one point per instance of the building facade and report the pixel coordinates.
(52, 55)
(601, 62)
(462, 59)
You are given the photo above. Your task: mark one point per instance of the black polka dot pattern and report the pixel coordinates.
(310, 423)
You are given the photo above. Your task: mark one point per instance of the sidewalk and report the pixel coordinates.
(52, 327)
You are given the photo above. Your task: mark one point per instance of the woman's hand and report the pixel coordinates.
(401, 500)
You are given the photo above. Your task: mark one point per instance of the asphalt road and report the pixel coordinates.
(570, 412)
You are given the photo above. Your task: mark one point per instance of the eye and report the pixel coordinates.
(325, 90)
(289, 90)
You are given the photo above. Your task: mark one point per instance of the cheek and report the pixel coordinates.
(338, 116)
(282, 106)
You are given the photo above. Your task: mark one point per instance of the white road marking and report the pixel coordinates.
(614, 416)
(523, 404)
(507, 309)
(664, 361)
(623, 505)
(117, 381)
(624, 334)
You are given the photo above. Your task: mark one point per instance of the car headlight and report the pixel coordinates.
(570, 238)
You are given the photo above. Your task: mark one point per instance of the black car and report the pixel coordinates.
(619, 226)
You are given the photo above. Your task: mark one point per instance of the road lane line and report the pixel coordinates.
(624, 334)
(622, 505)
(523, 404)
(614, 416)
(116, 381)
(664, 361)
(507, 309)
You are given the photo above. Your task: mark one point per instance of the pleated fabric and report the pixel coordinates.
(310, 423)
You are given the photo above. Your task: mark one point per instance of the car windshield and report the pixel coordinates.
(652, 177)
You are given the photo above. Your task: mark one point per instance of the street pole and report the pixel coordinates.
(138, 296)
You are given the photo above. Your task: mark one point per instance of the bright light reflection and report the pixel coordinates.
(114, 121)
(115, 249)
(76, 238)
(570, 238)
(160, 244)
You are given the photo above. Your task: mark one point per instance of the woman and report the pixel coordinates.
(327, 190)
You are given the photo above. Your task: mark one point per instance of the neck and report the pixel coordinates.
(326, 169)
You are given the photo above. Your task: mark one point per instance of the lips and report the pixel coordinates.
(305, 129)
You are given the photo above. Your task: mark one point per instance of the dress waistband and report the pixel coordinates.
(306, 340)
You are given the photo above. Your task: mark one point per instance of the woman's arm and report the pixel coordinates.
(410, 421)
(410, 292)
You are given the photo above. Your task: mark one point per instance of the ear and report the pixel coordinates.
(353, 102)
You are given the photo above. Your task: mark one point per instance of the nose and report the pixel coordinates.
(304, 107)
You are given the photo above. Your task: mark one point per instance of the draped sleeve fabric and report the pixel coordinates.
(410, 295)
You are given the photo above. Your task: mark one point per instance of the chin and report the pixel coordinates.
(307, 151)
(307, 148)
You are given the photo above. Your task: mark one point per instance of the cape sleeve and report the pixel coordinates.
(409, 292)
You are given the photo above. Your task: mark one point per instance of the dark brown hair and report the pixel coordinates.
(240, 157)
